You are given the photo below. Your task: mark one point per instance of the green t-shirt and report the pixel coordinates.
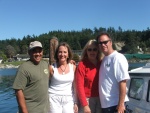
(33, 80)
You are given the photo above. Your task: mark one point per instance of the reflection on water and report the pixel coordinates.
(9, 71)
(8, 102)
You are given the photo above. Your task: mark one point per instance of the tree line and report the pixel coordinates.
(77, 40)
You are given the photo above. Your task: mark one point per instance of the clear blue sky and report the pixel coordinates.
(20, 18)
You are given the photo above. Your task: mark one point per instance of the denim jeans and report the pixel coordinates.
(111, 109)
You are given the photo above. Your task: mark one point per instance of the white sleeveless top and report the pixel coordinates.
(61, 84)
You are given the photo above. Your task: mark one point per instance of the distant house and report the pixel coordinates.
(20, 57)
(78, 52)
(1, 61)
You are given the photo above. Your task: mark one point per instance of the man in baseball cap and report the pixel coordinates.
(35, 44)
(35, 51)
(31, 82)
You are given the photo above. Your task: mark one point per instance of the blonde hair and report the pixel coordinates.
(84, 52)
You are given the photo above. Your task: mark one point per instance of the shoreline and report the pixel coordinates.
(5, 66)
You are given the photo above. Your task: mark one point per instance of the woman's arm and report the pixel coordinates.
(74, 87)
(75, 93)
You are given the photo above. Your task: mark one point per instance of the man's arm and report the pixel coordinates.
(21, 101)
(122, 94)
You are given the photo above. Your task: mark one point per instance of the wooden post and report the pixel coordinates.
(52, 48)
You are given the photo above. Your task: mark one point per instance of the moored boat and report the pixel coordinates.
(139, 90)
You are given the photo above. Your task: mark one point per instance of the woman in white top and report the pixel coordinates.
(62, 94)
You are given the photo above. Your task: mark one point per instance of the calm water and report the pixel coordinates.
(8, 102)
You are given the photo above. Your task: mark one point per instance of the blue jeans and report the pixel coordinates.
(111, 109)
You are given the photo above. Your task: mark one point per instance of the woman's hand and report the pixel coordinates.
(75, 108)
(87, 109)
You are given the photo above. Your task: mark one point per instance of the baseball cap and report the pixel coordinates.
(35, 44)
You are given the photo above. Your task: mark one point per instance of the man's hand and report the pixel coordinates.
(121, 108)
(72, 62)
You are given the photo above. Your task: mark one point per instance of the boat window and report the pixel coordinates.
(136, 88)
(148, 93)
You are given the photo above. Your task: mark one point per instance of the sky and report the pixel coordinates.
(19, 18)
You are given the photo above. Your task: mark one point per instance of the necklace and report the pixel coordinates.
(63, 71)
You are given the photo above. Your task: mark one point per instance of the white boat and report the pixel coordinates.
(139, 90)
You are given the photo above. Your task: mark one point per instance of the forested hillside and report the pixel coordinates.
(77, 39)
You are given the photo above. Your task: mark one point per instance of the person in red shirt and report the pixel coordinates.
(87, 74)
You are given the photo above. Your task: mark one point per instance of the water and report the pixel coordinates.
(8, 103)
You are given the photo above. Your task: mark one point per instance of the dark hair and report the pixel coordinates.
(103, 33)
(70, 55)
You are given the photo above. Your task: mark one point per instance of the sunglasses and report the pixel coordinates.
(37, 50)
(104, 42)
(90, 49)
